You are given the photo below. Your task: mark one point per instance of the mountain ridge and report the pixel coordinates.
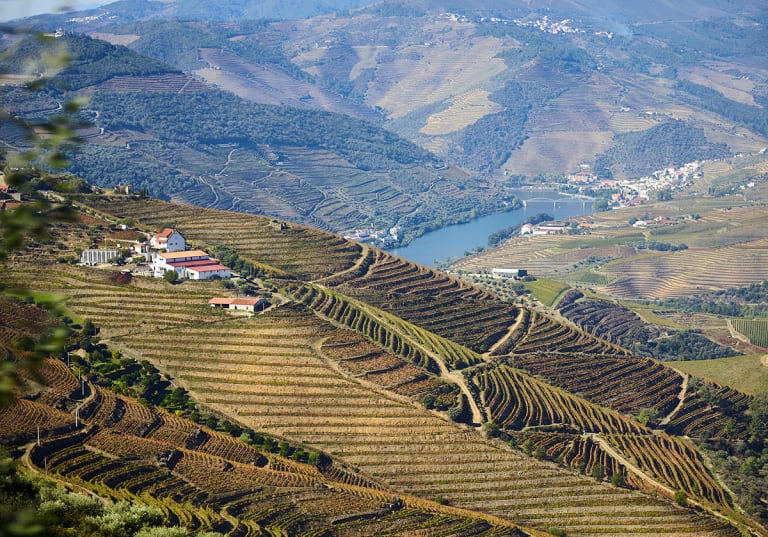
(518, 97)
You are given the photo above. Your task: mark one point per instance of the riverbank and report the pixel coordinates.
(450, 242)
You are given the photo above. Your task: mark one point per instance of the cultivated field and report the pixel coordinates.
(202, 479)
(726, 244)
(360, 362)
(746, 373)
(463, 111)
(464, 65)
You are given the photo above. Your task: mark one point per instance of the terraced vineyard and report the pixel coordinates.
(577, 451)
(626, 384)
(698, 415)
(542, 255)
(539, 332)
(279, 247)
(674, 462)
(359, 358)
(347, 365)
(608, 320)
(123, 308)
(439, 303)
(677, 274)
(385, 437)
(516, 401)
(18, 320)
(166, 83)
(403, 338)
(220, 484)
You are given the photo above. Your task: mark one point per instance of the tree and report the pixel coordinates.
(598, 471)
(601, 205)
(24, 171)
(171, 276)
(492, 429)
(429, 401)
(648, 416)
(758, 411)
(681, 498)
(455, 413)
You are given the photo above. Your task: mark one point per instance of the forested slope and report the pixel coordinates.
(173, 136)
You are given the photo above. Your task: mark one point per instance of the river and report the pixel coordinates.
(454, 241)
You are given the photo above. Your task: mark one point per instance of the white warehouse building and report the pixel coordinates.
(190, 264)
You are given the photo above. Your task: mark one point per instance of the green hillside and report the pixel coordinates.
(177, 138)
(747, 373)
(499, 101)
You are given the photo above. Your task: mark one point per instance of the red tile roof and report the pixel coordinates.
(236, 301)
(195, 263)
(206, 268)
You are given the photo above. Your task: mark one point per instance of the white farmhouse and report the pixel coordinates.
(169, 240)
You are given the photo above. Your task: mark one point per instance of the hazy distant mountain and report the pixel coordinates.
(494, 89)
(620, 12)
(217, 11)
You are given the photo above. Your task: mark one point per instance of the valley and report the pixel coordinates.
(361, 341)
(447, 109)
(602, 373)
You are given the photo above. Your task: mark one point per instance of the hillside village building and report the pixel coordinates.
(505, 273)
(190, 264)
(169, 240)
(97, 257)
(240, 304)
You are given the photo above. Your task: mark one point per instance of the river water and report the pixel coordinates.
(454, 241)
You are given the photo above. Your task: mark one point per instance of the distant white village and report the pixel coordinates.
(544, 24)
(380, 237)
(632, 192)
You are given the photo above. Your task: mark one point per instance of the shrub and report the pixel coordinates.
(598, 471)
(492, 429)
(455, 413)
(648, 416)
